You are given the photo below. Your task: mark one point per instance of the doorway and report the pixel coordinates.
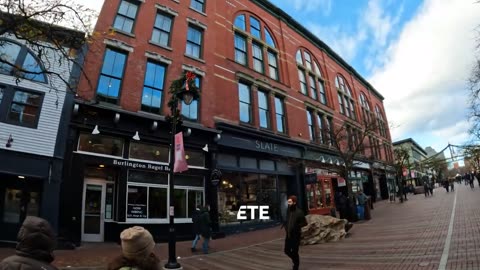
(93, 210)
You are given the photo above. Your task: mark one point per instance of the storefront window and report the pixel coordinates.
(195, 199)
(151, 152)
(180, 203)
(100, 144)
(15, 199)
(137, 202)
(157, 203)
(140, 176)
(238, 189)
(195, 158)
(109, 201)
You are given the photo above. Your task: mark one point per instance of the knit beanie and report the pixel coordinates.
(136, 242)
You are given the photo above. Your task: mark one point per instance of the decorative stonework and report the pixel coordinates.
(158, 57)
(118, 44)
(194, 69)
(197, 23)
(166, 9)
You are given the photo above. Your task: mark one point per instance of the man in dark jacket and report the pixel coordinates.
(36, 242)
(293, 228)
(204, 228)
(341, 204)
(196, 227)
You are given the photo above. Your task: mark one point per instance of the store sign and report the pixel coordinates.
(262, 210)
(140, 165)
(136, 211)
(259, 145)
(341, 182)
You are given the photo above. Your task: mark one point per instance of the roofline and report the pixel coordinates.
(279, 13)
(411, 141)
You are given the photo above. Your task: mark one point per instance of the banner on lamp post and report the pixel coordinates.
(180, 164)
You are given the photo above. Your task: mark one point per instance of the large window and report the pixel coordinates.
(280, 115)
(345, 97)
(190, 112)
(20, 107)
(245, 103)
(257, 57)
(194, 42)
(162, 29)
(100, 144)
(147, 195)
(240, 49)
(20, 61)
(126, 16)
(366, 112)
(263, 109)
(308, 65)
(111, 76)
(263, 45)
(311, 126)
(380, 122)
(25, 108)
(151, 152)
(198, 5)
(153, 87)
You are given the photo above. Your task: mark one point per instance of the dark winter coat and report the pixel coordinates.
(34, 251)
(294, 223)
(340, 201)
(196, 221)
(204, 224)
(146, 263)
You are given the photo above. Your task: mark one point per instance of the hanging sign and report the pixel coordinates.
(341, 182)
(180, 164)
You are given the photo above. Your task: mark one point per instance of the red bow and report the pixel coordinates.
(189, 77)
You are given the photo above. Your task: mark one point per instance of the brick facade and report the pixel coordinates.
(219, 89)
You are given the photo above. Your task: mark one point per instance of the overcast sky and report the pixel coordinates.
(417, 54)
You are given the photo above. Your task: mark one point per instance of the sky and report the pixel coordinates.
(417, 53)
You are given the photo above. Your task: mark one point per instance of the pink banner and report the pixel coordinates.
(180, 164)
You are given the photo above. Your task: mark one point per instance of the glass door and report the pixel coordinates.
(93, 211)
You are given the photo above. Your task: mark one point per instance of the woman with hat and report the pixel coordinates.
(137, 251)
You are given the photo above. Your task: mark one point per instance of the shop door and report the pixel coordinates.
(93, 211)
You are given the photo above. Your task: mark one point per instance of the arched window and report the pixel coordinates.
(345, 97)
(263, 49)
(15, 55)
(381, 123)
(307, 66)
(366, 111)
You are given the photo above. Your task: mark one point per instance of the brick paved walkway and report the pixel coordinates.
(404, 236)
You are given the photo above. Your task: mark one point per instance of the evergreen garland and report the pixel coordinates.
(178, 86)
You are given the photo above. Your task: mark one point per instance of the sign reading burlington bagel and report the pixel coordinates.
(140, 165)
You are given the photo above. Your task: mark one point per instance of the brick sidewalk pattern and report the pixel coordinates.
(405, 236)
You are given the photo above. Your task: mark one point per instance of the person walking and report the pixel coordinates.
(293, 228)
(137, 251)
(34, 250)
(341, 204)
(452, 185)
(196, 227)
(426, 189)
(362, 200)
(204, 225)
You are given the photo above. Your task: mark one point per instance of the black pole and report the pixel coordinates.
(172, 258)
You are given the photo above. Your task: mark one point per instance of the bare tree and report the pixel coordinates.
(55, 31)
(351, 142)
(401, 162)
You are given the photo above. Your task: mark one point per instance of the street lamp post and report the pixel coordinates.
(182, 89)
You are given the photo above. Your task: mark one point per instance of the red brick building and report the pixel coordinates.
(271, 94)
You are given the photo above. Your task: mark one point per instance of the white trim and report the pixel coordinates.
(98, 155)
(196, 23)
(166, 9)
(149, 161)
(100, 236)
(155, 221)
(118, 44)
(194, 69)
(158, 57)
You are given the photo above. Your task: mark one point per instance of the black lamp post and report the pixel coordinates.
(184, 90)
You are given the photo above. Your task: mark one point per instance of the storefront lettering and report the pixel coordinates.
(262, 209)
(136, 211)
(137, 165)
(266, 146)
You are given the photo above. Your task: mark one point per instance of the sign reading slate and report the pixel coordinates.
(136, 211)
